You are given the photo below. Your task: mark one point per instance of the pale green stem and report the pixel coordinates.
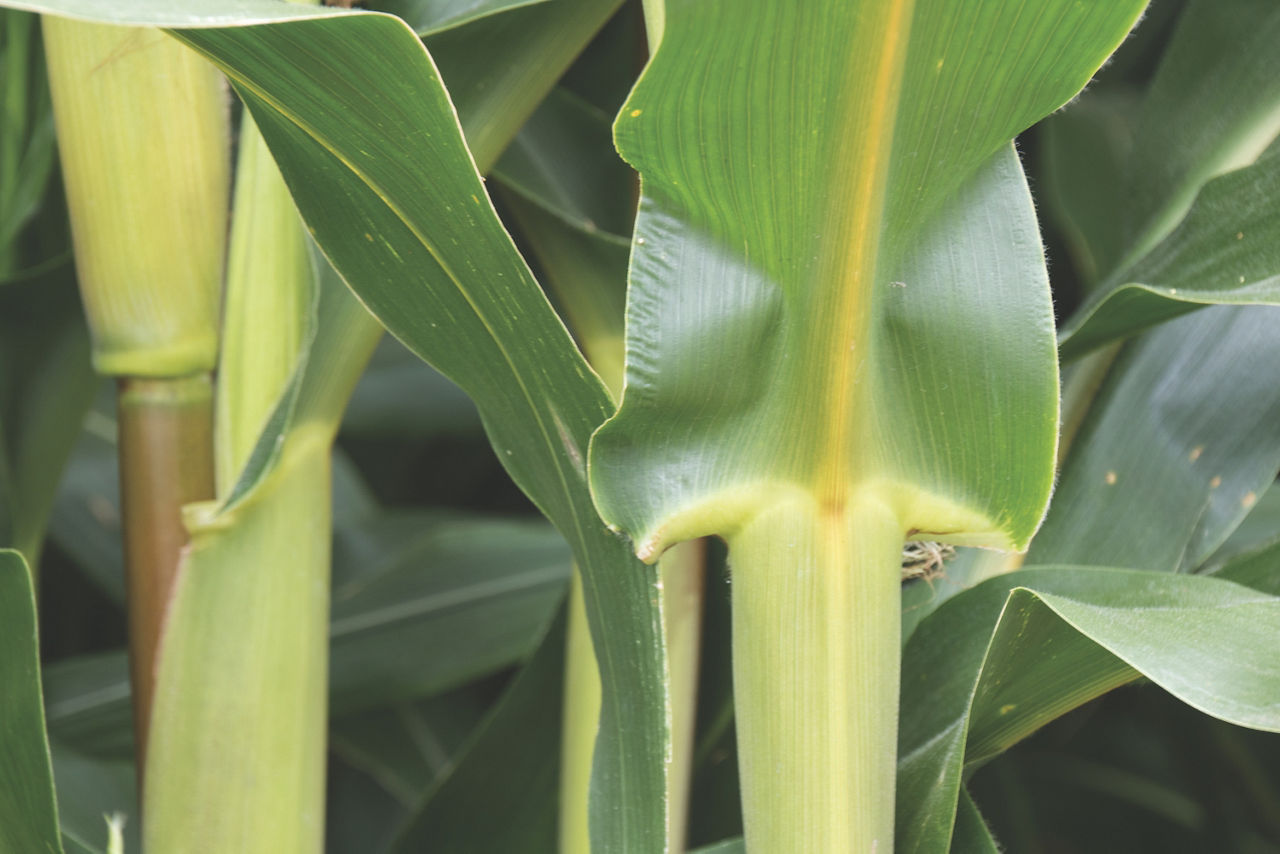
(816, 667)
(236, 759)
(682, 577)
(265, 311)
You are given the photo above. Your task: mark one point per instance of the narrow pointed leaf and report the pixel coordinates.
(972, 836)
(998, 661)
(564, 162)
(28, 813)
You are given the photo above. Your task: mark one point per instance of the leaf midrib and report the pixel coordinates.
(843, 315)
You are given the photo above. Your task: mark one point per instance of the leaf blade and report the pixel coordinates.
(28, 810)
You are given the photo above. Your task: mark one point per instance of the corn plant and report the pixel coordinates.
(815, 323)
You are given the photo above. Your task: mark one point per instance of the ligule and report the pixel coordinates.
(142, 132)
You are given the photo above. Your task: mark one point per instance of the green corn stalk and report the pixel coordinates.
(242, 677)
(792, 385)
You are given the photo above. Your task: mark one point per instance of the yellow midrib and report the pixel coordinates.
(842, 313)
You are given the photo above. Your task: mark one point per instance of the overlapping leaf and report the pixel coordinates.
(509, 769)
(1178, 445)
(1198, 218)
(1223, 252)
(1000, 660)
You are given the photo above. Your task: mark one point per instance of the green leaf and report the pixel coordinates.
(384, 761)
(46, 384)
(586, 274)
(996, 662)
(1214, 106)
(430, 16)
(839, 336)
(1086, 149)
(859, 329)
(493, 65)
(1252, 555)
(972, 836)
(88, 704)
(154, 13)
(28, 812)
(85, 522)
(510, 769)
(1260, 529)
(27, 150)
(564, 162)
(401, 396)
(424, 250)
(1197, 211)
(1223, 252)
(477, 595)
(570, 197)
(1177, 446)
